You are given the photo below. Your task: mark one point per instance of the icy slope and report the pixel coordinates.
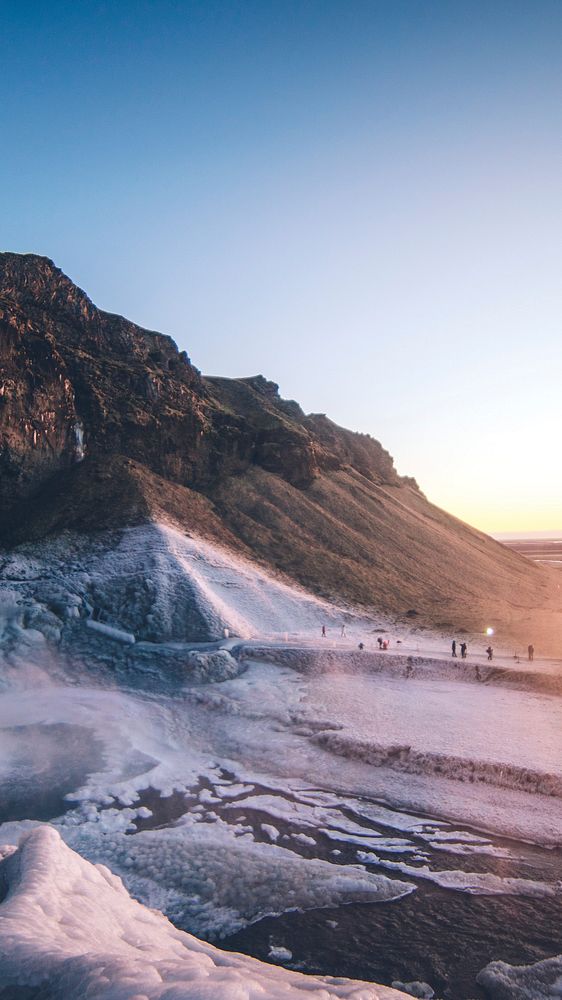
(157, 583)
(104, 423)
(70, 929)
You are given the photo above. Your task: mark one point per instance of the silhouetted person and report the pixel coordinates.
(343, 631)
(490, 652)
(379, 640)
(323, 631)
(463, 650)
(531, 651)
(454, 647)
(361, 645)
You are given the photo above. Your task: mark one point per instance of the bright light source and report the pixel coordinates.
(489, 631)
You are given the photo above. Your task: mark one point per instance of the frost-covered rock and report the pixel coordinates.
(69, 929)
(422, 991)
(205, 667)
(38, 617)
(541, 981)
(278, 953)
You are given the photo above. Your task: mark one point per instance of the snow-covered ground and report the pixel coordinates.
(515, 728)
(227, 778)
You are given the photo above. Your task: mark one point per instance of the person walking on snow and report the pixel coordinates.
(531, 651)
(343, 631)
(463, 650)
(490, 652)
(454, 647)
(323, 631)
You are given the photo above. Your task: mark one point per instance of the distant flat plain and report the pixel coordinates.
(540, 546)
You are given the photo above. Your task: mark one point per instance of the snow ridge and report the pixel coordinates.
(401, 757)
(410, 667)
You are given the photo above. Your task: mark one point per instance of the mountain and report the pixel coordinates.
(105, 424)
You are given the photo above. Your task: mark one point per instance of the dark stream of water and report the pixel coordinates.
(441, 936)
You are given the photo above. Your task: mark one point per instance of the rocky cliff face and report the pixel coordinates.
(76, 381)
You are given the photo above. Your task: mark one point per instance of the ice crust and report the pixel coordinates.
(69, 930)
(475, 883)
(541, 981)
(207, 878)
(402, 757)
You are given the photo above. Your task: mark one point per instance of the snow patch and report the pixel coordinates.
(541, 981)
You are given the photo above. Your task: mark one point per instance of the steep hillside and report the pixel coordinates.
(104, 424)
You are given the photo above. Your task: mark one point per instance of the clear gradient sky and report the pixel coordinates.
(360, 200)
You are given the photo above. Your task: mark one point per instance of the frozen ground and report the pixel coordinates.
(234, 781)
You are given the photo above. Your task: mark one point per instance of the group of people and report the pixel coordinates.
(382, 643)
(489, 650)
(463, 648)
(343, 633)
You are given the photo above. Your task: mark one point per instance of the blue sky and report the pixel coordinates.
(360, 200)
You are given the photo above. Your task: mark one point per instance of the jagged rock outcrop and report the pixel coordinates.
(75, 380)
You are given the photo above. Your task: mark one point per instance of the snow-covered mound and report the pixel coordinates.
(187, 584)
(69, 929)
(152, 583)
(540, 981)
